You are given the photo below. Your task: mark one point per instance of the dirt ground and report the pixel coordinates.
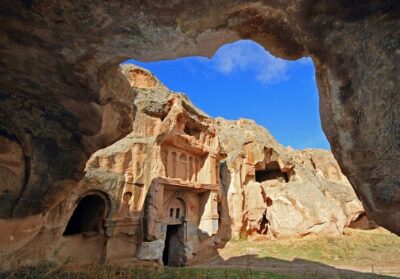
(357, 254)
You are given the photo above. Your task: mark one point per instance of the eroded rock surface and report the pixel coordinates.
(151, 250)
(178, 184)
(280, 191)
(63, 97)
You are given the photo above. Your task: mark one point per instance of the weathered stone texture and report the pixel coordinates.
(62, 95)
(178, 184)
(151, 251)
(280, 191)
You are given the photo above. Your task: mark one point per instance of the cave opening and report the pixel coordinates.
(192, 131)
(243, 80)
(173, 253)
(272, 171)
(87, 217)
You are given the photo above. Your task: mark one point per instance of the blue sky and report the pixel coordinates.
(242, 80)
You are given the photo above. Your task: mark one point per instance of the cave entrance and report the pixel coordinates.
(271, 171)
(88, 216)
(174, 253)
(243, 80)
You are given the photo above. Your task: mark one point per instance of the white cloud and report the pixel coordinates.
(249, 56)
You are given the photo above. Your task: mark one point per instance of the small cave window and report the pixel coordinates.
(88, 216)
(192, 131)
(171, 213)
(177, 213)
(272, 171)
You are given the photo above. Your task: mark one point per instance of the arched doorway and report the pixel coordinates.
(88, 216)
(174, 249)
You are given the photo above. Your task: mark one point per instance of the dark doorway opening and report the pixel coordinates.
(88, 216)
(272, 171)
(174, 253)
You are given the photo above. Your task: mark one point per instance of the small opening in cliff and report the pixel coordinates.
(88, 216)
(272, 171)
(192, 131)
(243, 80)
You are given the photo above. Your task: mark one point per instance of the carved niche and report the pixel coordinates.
(181, 164)
(176, 211)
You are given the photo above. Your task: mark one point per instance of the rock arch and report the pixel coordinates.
(65, 97)
(89, 214)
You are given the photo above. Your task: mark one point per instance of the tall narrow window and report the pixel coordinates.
(171, 213)
(177, 213)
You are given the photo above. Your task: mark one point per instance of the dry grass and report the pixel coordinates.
(48, 270)
(355, 248)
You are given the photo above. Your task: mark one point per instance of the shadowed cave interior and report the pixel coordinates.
(87, 217)
(271, 172)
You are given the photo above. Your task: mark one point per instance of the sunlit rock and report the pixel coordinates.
(63, 96)
(182, 183)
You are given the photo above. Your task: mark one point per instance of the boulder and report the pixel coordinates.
(151, 251)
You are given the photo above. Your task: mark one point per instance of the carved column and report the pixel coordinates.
(201, 137)
(209, 219)
(165, 162)
(197, 170)
(207, 140)
(190, 168)
(184, 163)
(213, 169)
(173, 164)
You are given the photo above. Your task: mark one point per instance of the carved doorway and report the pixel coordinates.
(174, 249)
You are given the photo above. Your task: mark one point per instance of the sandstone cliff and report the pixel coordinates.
(62, 95)
(279, 191)
(181, 173)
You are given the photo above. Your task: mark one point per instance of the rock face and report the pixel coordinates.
(63, 97)
(180, 183)
(279, 191)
